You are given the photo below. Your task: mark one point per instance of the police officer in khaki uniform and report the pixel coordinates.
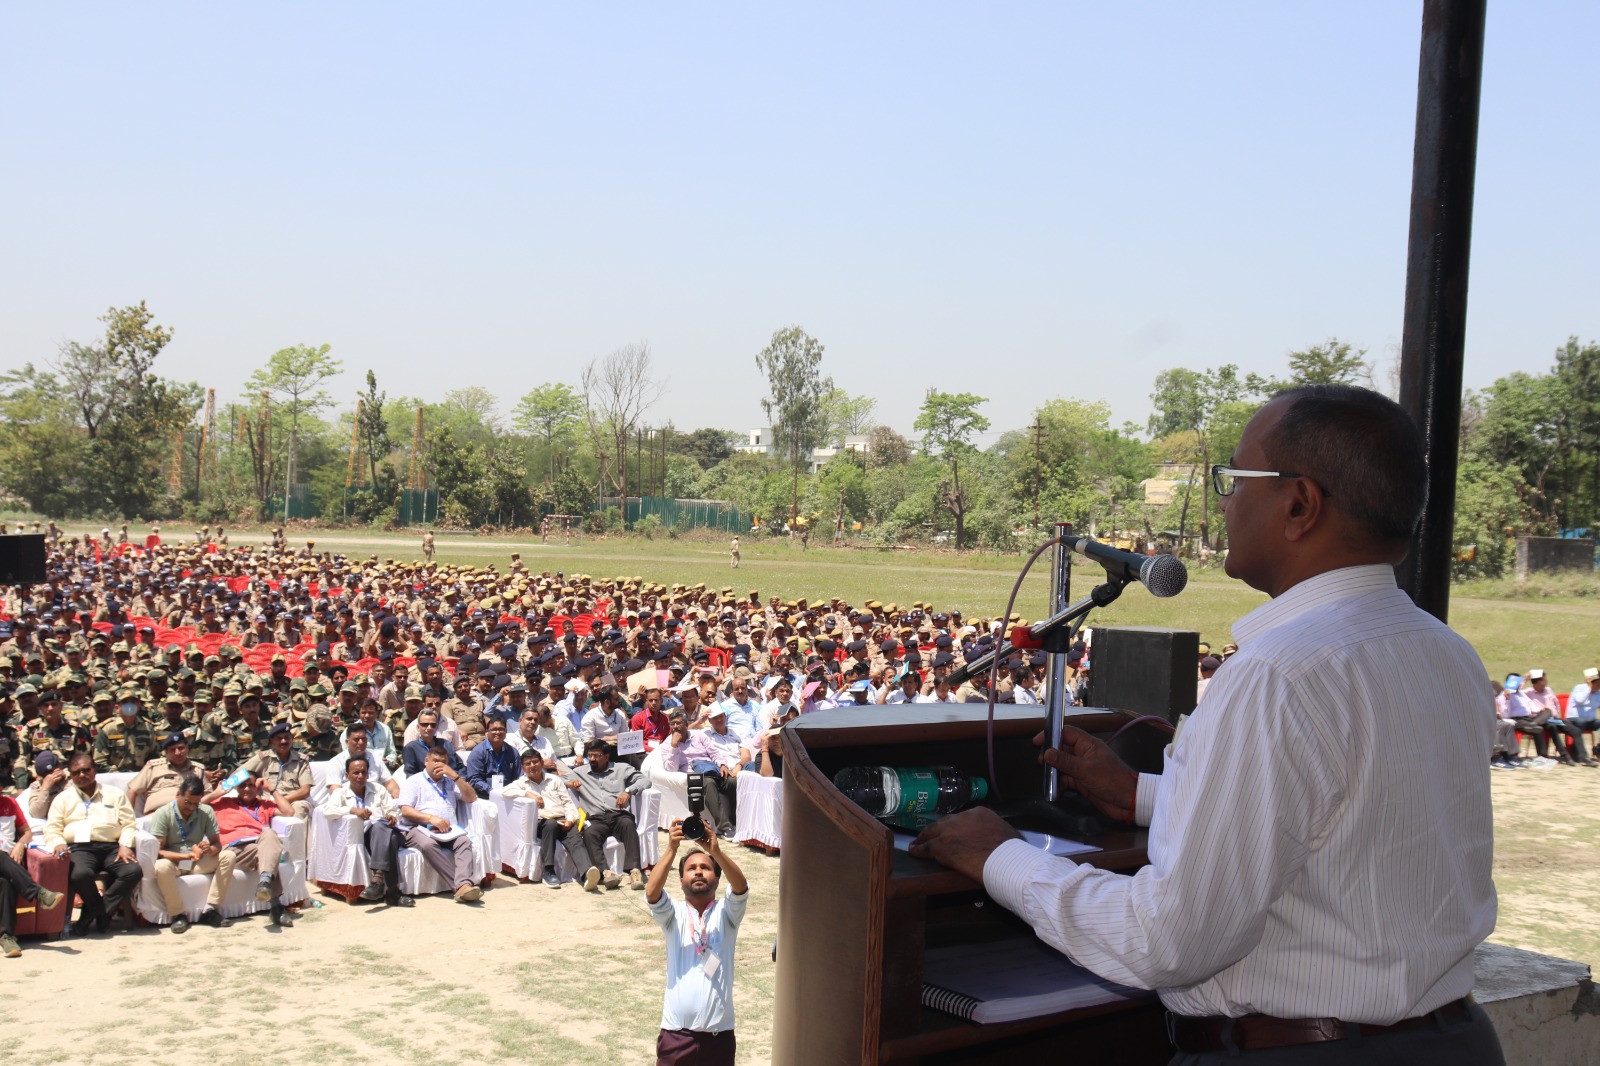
(286, 770)
(157, 783)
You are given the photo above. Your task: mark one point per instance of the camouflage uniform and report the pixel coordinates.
(124, 748)
(36, 738)
(248, 740)
(213, 743)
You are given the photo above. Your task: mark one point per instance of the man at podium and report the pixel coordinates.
(1321, 838)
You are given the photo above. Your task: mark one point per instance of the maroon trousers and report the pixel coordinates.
(686, 1047)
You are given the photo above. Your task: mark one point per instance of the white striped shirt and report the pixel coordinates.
(1321, 839)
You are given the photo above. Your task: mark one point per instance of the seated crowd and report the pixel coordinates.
(214, 677)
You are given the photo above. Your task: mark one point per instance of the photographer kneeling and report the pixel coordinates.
(701, 933)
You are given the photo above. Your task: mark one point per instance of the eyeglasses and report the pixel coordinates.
(1223, 478)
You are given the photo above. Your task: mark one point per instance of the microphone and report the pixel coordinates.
(1163, 575)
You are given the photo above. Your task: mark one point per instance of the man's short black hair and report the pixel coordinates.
(440, 748)
(362, 759)
(191, 786)
(715, 865)
(358, 726)
(1361, 448)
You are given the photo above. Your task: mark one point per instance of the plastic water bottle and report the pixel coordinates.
(910, 797)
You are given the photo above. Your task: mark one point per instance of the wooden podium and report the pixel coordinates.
(854, 913)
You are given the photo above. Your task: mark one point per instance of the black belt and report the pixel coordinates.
(1257, 1032)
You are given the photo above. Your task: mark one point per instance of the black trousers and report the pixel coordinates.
(722, 800)
(1469, 1041)
(1541, 739)
(550, 832)
(382, 842)
(15, 884)
(613, 823)
(1560, 728)
(89, 861)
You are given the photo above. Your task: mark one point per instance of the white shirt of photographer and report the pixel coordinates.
(694, 999)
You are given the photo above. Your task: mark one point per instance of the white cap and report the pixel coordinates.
(717, 710)
(1591, 673)
(576, 686)
(1534, 675)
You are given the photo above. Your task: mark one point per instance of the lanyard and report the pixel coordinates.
(183, 827)
(441, 786)
(361, 800)
(699, 940)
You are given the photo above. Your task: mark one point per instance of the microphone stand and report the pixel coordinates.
(1069, 816)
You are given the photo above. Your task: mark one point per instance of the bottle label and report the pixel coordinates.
(919, 797)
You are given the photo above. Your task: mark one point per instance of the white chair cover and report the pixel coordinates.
(482, 822)
(240, 897)
(519, 836)
(674, 789)
(760, 816)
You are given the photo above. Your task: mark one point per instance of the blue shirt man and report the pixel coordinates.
(493, 757)
(1585, 699)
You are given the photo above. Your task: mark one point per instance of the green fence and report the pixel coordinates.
(301, 504)
(697, 514)
(419, 507)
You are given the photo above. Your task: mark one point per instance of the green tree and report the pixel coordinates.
(792, 361)
(844, 416)
(1188, 401)
(295, 376)
(707, 447)
(129, 415)
(840, 489)
(1333, 362)
(44, 453)
(947, 422)
(478, 403)
(551, 414)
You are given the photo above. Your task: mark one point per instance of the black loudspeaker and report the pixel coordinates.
(22, 559)
(1144, 669)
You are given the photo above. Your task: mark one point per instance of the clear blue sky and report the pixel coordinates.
(1019, 200)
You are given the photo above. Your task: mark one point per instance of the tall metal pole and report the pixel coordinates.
(1055, 702)
(1449, 79)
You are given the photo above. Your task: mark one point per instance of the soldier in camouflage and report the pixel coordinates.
(249, 732)
(213, 742)
(50, 731)
(318, 739)
(126, 742)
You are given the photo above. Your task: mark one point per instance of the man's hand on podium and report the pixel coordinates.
(1090, 768)
(963, 841)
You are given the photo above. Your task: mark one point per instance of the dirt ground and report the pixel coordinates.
(532, 975)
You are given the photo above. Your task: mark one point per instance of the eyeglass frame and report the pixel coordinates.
(1217, 470)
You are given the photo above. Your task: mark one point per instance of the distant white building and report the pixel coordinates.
(760, 442)
(1169, 482)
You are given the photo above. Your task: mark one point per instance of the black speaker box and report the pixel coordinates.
(22, 559)
(1144, 669)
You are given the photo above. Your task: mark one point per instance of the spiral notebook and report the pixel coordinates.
(1006, 980)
